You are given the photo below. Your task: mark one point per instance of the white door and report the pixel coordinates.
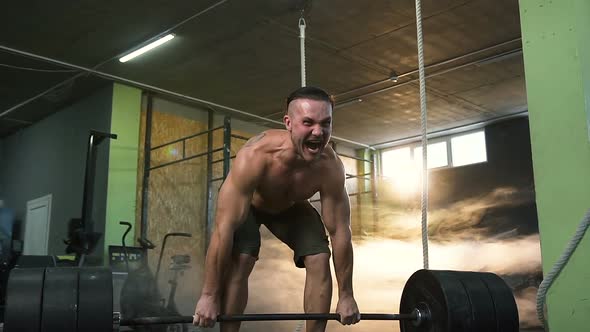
(38, 216)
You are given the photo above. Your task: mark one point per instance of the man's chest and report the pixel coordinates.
(291, 185)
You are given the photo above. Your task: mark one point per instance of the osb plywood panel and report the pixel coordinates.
(176, 201)
(178, 197)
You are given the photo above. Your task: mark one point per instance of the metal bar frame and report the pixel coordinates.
(355, 158)
(185, 159)
(226, 145)
(209, 208)
(353, 176)
(375, 165)
(186, 138)
(240, 137)
(146, 166)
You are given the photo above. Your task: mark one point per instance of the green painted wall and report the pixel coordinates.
(556, 45)
(123, 159)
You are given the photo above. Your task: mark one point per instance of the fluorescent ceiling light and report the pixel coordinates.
(146, 48)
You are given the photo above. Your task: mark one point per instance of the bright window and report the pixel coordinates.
(401, 170)
(469, 148)
(403, 165)
(396, 160)
(437, 155)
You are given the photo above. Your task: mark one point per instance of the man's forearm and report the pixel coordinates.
(343, 261)
(217, 259)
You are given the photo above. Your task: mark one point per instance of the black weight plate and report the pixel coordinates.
(507, 319)
(60, 300)
(23, 300)
(458, 304)
(483, 314)
(445, 297)
(95, 300)
(421, 288)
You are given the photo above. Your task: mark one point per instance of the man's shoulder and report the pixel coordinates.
(266, 138)
(330, 156)
(331, 163)
(258, 147)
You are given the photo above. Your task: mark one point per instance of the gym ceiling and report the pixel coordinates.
(246, 55)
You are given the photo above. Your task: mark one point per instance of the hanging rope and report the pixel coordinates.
(558, 266)
(302, 47)
(423, 121)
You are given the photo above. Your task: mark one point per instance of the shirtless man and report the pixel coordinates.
(270, 182)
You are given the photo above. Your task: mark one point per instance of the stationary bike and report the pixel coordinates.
(178, 265)
(140, 296)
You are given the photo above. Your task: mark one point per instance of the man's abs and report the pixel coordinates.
(276, 203)
(280, 187)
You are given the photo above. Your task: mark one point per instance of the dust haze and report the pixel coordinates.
(463, 236)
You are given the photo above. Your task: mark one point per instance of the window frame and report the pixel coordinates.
(449, 146)
(485, 146)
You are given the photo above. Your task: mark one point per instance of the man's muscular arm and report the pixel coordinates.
(336, 216)
(233, 204)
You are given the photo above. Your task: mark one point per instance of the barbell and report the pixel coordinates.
(70, 299)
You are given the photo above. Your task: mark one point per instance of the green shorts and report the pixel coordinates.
(300, 227)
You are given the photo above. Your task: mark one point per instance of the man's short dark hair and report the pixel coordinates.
(310, 92)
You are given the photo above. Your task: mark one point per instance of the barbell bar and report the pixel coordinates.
(72, 299)
(262, 317)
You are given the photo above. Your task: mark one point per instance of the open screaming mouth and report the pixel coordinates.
(313, 146)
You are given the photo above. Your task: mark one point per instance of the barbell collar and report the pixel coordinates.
(422, 314)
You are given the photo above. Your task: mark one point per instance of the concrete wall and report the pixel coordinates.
(2, 163)
(49, 157)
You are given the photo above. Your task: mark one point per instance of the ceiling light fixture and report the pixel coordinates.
(393, 76)
(146, 48)
(348, 102)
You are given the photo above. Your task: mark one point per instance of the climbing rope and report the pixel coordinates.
(423, 121)
(302, 47)
(558, 266)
